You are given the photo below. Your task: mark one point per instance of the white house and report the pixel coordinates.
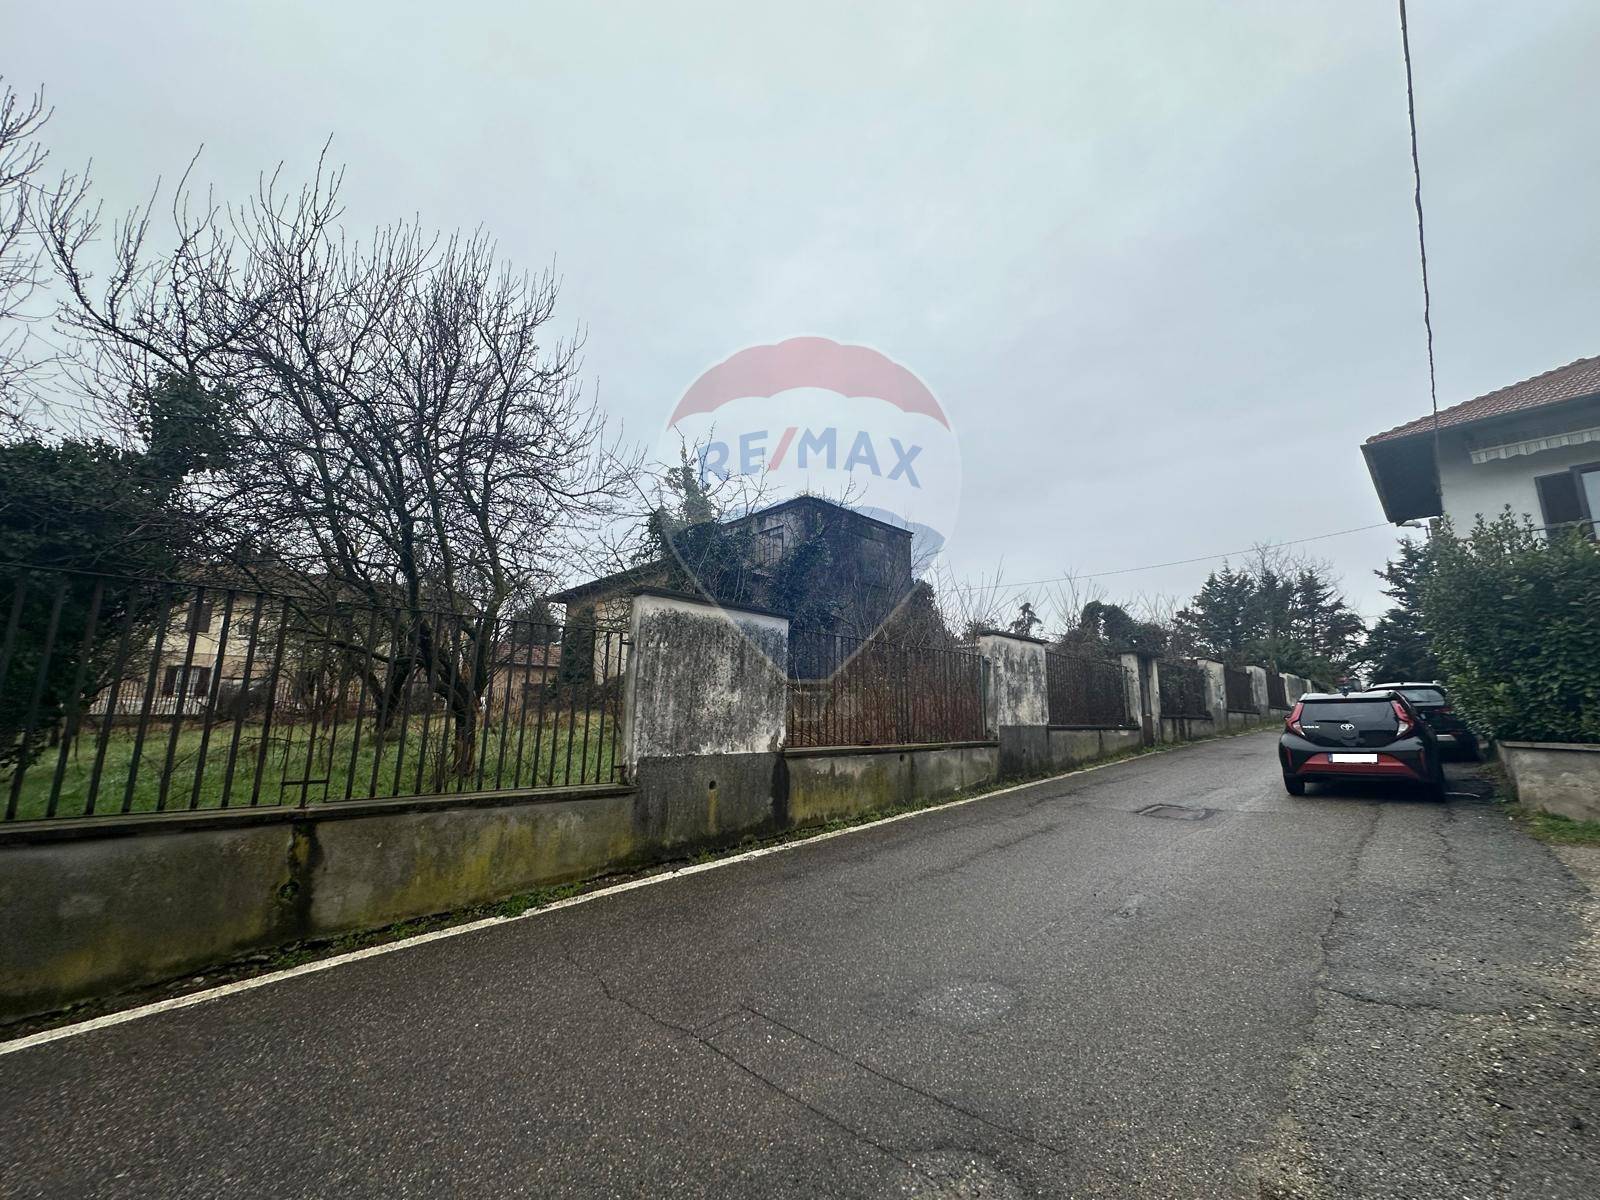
(1534, 445)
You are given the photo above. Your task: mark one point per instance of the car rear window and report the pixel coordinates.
(1422, 695)
(1364, 714)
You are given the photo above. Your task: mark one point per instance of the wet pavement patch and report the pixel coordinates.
(967, 1005)
(952, 1175)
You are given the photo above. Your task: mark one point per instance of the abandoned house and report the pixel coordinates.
(869, 571)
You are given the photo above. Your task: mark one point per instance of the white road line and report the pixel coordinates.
(339, 960)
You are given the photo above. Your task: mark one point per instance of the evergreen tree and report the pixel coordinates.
(1323, 624)
(1026, 620)
(1223, 619)
(1399, 646)
(1272, 607)
(1300, 624)
(83, 522)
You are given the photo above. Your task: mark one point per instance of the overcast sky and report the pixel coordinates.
(1157, 260)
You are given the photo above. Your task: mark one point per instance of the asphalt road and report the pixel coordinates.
(1042, 993)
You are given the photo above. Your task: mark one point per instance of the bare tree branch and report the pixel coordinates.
(402, 427)
(22, 158)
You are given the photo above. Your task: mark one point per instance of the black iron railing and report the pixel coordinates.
(1238, 695)
(846, 691)
(1277, 691)
(1183, 690)
(1086, 690)
(128, 696)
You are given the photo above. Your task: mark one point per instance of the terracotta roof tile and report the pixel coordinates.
(1576, 379)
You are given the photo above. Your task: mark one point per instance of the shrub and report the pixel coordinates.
(1515, 621)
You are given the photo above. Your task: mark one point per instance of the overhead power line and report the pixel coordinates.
(1183, 562)
(1422, 241)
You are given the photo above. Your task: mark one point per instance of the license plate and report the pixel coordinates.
(1353, 758)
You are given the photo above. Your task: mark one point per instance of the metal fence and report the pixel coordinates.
(1238, 695)
(1085, 690)
(846, 691)
(124, 696)
(1277, 691)
(1183, 690)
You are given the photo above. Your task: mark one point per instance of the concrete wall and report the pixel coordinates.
(1258, 689)
(826, 784)
(1555, 777)
(706, 715)
(1017, 691)
(1183, 729)
(1222, 720)
(704, 679)
(1216, 691)
(96, 905)
(1150, 681)
(1130, 686)
(1074, 747)
(1018, 702)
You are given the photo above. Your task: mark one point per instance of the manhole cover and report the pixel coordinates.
(1176, 812)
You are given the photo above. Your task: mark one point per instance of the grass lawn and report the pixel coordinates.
(1563, 831)
(302, 763)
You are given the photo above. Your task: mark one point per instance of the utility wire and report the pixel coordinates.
(1422, 242)
(1182, 562)
(1427, 324)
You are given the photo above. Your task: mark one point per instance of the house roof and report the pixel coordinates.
(809, 501)
(1401, 459)
(521, 654)
(1575, 381)
(647, 574)
(617, 581)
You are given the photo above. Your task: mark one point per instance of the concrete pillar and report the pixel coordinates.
(1138, 706)
(1216, 692)
(706, 702)
(1258, 690)
(1152, 683)
(1018, 702)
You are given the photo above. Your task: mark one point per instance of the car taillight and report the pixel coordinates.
(1400, 715)
(1446, 709)
(1292, 721)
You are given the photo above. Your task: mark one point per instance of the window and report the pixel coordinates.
(1365, 714)
(199, 681)
(769, 545)
(1569, 497)
(199, 616)
(1426, 696)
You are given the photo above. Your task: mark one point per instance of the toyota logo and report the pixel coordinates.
(1346, 727)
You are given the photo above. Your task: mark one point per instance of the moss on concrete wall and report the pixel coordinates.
(823, 787)
(87, 916)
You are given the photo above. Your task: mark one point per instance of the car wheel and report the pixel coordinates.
(1295, 787)
(1469, 748)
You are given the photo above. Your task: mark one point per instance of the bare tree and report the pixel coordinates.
(1066, 599)
(21, 159)
(398, 427)
(971, 606)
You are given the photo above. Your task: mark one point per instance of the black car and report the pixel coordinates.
(1433, 702)
(1371, 735)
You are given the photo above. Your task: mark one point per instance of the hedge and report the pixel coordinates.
(1515, 621)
